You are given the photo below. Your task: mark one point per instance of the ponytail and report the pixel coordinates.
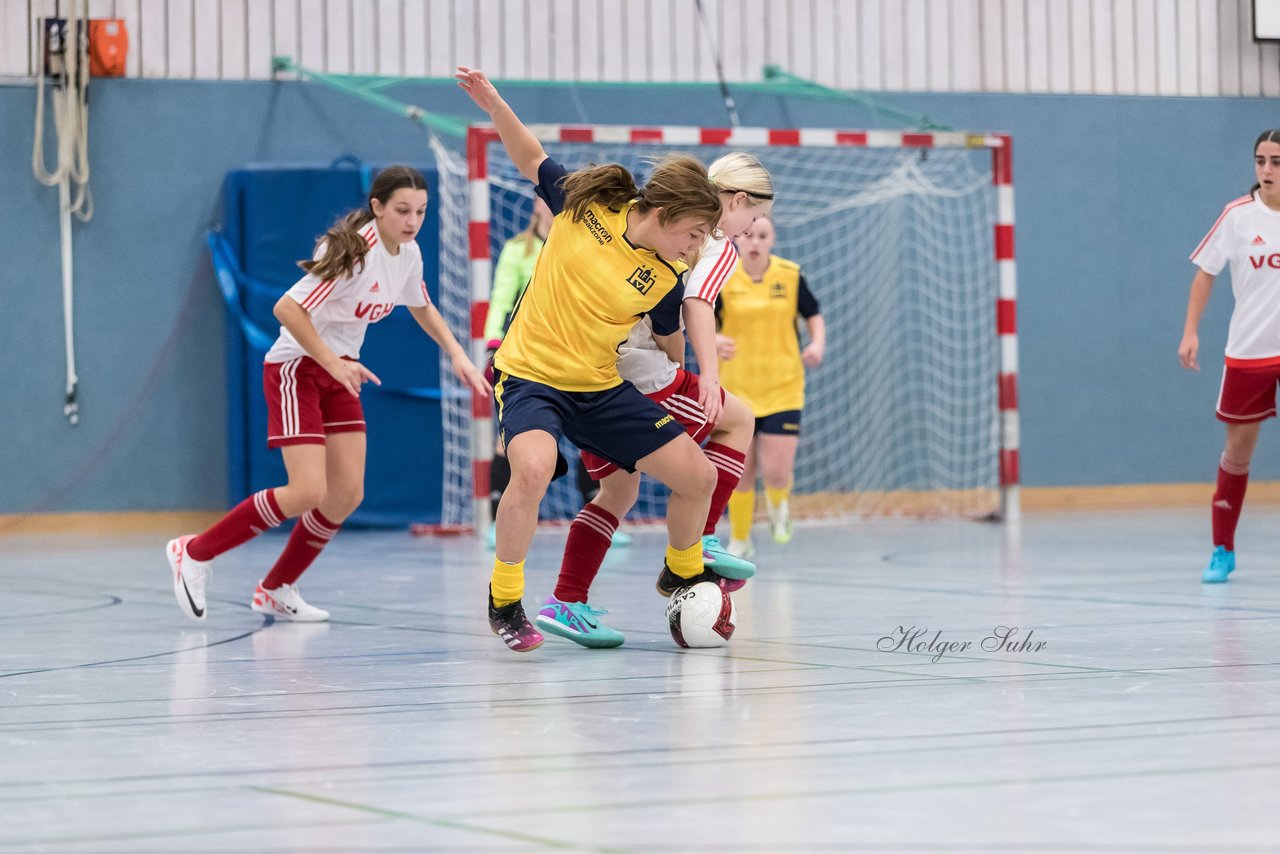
(344, 247)
(610, 186)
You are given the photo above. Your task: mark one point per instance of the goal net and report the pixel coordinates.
(905, 240)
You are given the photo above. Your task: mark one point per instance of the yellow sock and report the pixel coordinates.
(777, 496)
(507, 583)
(685, 563)
(742, 506)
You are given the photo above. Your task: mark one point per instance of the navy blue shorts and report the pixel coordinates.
(619, 424)
(786, 423)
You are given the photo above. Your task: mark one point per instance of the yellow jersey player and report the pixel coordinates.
(762, 363)
(614, 254)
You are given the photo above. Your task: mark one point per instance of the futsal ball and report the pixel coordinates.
(701, 615)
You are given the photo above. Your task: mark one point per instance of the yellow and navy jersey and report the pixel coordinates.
(589, 287)
(760, 317)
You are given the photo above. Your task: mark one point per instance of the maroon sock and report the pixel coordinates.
(246, 520)
(1227, 501)
(589, 539)
(310, 535)
(729, 465)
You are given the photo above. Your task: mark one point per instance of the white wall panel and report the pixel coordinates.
(1080, 58)
(1127, 47)
(1206, 26)
(1058, 38)
(870, 59)
(1015, 45)
(1168, 48)
(1125, 42)
(965, 58)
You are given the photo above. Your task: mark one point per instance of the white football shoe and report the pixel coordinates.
(190, 577)
(286, 603)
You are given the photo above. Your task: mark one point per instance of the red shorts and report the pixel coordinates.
(680, 398)
(304, 403)
(1248, 394)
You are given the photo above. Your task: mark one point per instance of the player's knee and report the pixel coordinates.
(702, 476)
(345, 499)
(618, 491)
(532, 474)
(307, 495)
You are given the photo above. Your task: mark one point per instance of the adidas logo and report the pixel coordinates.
(1258, 241)
(1222, 504)
(375, 288)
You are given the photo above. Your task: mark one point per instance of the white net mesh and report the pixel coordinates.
(896, 244)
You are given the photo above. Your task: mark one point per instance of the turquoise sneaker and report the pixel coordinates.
(621, 539)
(1221, 564)
(578, 622)
(717, 559)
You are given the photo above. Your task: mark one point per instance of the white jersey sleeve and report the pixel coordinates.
(413, 289)
(1215, 249)
(342, 308)
(642, 363)
(708, 276)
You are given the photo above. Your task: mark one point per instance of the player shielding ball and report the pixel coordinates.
(746, 193)
(615, 252)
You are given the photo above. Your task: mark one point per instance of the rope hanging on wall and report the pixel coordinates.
(64, 57)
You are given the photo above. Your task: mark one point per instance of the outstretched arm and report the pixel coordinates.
(1201, 287)
(522, 146)
(433, 324)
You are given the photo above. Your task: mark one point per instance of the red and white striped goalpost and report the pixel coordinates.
(1001, 146)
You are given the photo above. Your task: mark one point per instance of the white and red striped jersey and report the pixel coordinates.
(640, 361)
(1247, 236)
(342, 309)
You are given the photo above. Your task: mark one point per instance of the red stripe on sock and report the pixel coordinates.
(1228, 498)
(304, 546)
(584, 551)
(728, 463)
(246, 520)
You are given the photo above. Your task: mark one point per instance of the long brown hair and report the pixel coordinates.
(344, 248)
(679, 186)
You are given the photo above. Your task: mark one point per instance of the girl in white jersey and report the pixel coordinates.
(365, 266)
(652, 364)
(1246, 236)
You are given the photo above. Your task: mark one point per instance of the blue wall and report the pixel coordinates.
(1112, 195)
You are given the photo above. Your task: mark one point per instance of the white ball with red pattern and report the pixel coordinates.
(701, 616)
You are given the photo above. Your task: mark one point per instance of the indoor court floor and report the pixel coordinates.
(1134, 709)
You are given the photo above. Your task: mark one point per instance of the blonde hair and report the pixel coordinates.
(733, 173)
(740, 172)
(529, 238)
(678, 187)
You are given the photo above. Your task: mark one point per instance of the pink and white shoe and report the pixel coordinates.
(286, 603)
(510, 623)
(190, 577)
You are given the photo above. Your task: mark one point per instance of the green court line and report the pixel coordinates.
(422, 819)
